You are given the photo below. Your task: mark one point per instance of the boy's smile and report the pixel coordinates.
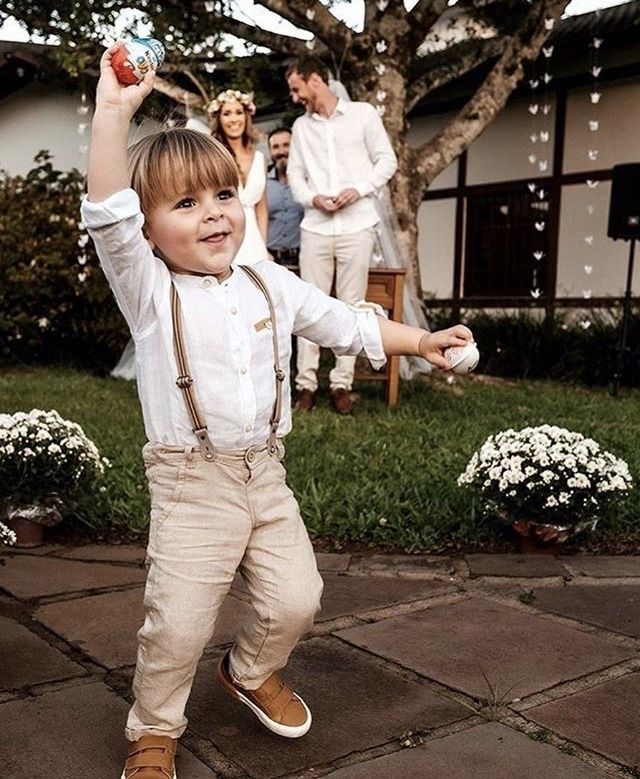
(197, 232)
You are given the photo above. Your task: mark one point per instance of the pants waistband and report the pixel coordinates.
(250, 457)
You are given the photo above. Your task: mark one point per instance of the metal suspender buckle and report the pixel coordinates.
(206, 447)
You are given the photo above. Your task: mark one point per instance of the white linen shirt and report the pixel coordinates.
(231, 361)
(348, 149)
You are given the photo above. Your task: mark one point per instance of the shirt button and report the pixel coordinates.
(234, 310)
(207, 282)
(248, 428)
(243, 371)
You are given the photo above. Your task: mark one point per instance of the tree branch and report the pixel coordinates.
(434, 156)
(422, 18)
(323, 24)
(446, 66)
(271, 40)
(178, 94)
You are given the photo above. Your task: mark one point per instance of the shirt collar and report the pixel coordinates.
(341, 108)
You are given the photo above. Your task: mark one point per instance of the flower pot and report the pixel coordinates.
(28, 534)
(544, 538)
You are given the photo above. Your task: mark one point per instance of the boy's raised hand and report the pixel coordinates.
(433, 345)
(112, 95)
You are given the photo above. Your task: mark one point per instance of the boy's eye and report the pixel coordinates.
(225, 194)
(186, 202)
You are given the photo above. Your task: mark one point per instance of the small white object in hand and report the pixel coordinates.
(462, 359)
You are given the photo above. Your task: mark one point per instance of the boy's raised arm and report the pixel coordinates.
(115, 106)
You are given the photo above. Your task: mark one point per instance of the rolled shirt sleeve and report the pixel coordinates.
(115, 225)
(385, 162)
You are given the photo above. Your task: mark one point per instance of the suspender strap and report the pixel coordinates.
(279, 373)
(185, 380)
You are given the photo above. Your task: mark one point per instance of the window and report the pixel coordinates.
(507, 244)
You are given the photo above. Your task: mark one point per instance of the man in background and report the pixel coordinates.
(285, 214)
(340, 154)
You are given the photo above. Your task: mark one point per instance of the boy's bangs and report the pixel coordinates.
(181, 161)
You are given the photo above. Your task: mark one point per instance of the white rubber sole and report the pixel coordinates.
(288, 731)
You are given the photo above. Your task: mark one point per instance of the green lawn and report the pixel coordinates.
(384, 477)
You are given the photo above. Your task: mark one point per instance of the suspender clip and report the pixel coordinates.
(184, 381)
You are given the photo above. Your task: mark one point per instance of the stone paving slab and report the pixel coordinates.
(38, 551)
(454, 644)
(490, 751)
(525, 566)
(604, 718)
(109, 636)
(32, 577)
(353, 594)
(614, 607)
(405, 563)
(333, 562)
(605, 566)
(72, 734)
(26, 659)
(355, 703)
(119, 553)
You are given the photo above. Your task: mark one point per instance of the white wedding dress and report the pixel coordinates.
(253, 248)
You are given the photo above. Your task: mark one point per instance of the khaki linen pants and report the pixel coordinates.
(209, 519)
(349, 257)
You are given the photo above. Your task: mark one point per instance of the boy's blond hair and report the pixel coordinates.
(174, 161)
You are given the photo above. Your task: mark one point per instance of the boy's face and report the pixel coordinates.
(197, 232)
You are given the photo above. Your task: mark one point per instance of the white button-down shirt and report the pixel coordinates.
(231, 361)
(348, 149)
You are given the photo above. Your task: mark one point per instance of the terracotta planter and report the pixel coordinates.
(28, 534)
(543, 538)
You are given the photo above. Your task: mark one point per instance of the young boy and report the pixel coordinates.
(212, 349)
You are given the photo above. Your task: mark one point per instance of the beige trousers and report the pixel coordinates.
(209, 519)
(321, 257)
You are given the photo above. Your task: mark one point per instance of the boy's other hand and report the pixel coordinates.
(112, 95)
(433, 345)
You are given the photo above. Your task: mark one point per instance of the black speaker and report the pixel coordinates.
(624, 207)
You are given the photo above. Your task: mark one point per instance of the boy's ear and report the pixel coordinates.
(149, 240)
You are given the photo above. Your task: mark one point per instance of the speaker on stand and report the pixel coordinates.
(624, 223)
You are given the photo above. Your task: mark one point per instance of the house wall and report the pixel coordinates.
(500, 155)
(38, 118)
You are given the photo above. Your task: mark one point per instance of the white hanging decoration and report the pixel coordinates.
(533, 137)
(83, 108)
(593, 154)
(533, 83)
(588, 269)
(381, 95)
(531, 186)
(586, 294)
(533, 108)
(592, 184)
(541, 194)
(597, 42)
(310, 44)
(381, 46)
(209, 6)
(539, 226)
(595, 97)
(538, 255)
(536, 293)
(210, 67)
(532, 159)
(382, 5)
(543, 165)
(381, 68)
(588, 239)
(596, 70)
(594, 124)
(547, 51)
(82, 128)
(590, 209)
(310, 14)
(381, 110)
(548, 24)
(547, 78)
(544, 136)
(546, 107)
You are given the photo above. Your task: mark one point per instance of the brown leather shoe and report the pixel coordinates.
(151, 757)
(306, 400)
(341, 401)
(274, 704)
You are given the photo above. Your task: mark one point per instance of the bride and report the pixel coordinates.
(233, 126)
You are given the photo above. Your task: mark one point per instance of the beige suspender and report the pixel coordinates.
(185, 379)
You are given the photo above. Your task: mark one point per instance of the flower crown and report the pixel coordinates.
(230, 96)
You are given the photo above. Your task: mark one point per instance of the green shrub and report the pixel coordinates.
(581, 349)
(56, 306)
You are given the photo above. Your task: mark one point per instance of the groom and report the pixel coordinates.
(340, 154)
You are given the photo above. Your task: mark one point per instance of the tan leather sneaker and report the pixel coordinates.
(341, 401)
(274, 704)
(151, 757)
